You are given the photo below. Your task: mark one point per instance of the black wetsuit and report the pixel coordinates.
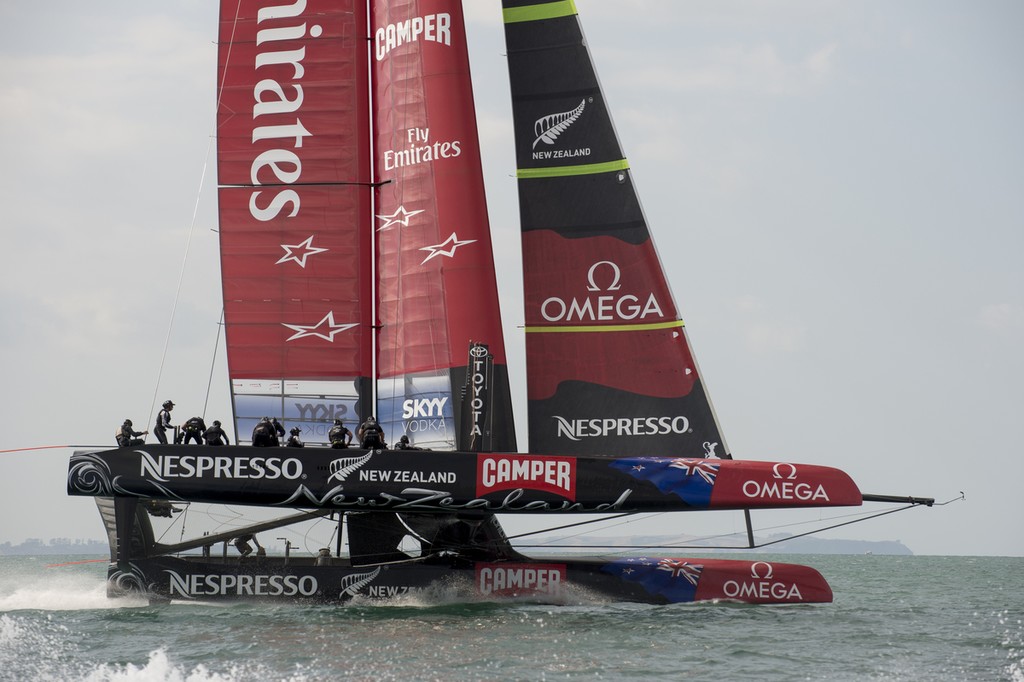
(194, 428)
(372, 436)
(263, 435)
(215, 436)
(163, 422)
(128, 436)
(339, 436)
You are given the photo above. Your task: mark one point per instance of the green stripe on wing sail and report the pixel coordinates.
(550, 10)
(650, 326)
(565, 171)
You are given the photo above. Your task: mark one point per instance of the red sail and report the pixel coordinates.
(435, 271)
(295, 207)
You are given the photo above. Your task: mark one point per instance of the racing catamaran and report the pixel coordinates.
(358, 280)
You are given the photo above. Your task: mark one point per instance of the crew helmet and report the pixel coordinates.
(296, 431)
(216, 423)
(168, 404)
(127, 422)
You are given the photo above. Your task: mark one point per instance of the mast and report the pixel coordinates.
(609, 368)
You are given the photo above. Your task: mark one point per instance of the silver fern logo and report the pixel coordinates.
(548, 128)
(353, 582)
(343, 466)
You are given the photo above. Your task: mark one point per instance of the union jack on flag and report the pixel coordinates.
(701, 467)
(691, 479)
(681, 569)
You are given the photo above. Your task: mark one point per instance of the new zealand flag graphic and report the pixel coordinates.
(690, 479)
(674, 579)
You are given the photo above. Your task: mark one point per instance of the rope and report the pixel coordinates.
(213, 363)
(40, 447)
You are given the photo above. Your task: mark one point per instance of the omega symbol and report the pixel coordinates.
(777, 469)
(614, 286)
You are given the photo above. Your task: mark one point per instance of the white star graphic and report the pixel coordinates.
(305, 249)
(304, 330)
(438, 249)
(394, 218)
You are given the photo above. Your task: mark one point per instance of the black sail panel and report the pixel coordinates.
(609, 368)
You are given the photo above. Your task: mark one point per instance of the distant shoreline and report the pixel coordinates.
(802, 545)
(62, 546)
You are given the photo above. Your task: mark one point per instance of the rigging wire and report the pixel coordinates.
(752, 545)
(213, 363)
(181, 278)
(632, 517)
(192, 227)
(572, 525)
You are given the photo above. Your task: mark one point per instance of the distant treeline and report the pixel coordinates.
(36, 546)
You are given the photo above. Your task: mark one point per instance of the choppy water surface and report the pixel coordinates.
(894, 618)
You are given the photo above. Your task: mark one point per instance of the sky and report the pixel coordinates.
(836, 191)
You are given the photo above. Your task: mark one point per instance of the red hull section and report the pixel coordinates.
(677, 580)
(761, 582)
(743, 484)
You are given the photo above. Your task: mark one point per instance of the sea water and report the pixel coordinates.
(894, 618)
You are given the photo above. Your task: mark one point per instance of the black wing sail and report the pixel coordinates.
(609, 367)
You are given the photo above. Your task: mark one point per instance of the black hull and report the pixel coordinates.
(353, 480)
(440, 578)
(460, 558)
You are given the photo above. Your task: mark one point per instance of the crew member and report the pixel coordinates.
(163, 422)
(339, 436)
(244, 548)
(127, 436)
(215, 435)
(293, 440)
(194, 429)
(277, 432)
(263, 434)
(404, 444)
(371, 435)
